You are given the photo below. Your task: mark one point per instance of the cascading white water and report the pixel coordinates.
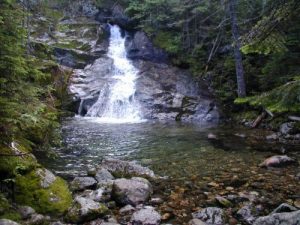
(116, 102)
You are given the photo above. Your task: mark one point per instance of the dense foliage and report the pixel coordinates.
(27, 113)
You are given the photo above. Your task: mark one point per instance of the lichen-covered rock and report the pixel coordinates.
(7, 222)
(145, 216)
(45, 197)
(278, 161)
(246, 214)
(211, 215)
(82, 183)
(132, 191)
(85, 209)
(47, 177)
(123, 168)
(289, 218)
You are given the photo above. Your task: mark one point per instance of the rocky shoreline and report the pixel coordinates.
(120, 192)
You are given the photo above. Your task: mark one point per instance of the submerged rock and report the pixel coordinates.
(211, 215)
(278, 161)
(145, 216)
(85, 209)
(123, 168)
(289, 218)
(132, 191)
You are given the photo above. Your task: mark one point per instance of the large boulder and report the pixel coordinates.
(43, 191)
(132, 191)
(85, 209)
(289, 218)
(103, 176)
(8, 222)
(145, 216)
(211, 215)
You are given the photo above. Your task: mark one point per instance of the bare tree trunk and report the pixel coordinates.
(237, 53)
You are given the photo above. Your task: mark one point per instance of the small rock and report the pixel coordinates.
(166, 216)
(240, 135)
(223, 201)
(284, 208)
(213, 184)
(212, 136)
(278, 161)
(98, 195)
(146, 216)
(156, 201)
(290, 218)
(92, 172)
(287, 128)
(211, 215)
(272, 137)
(37, 219)
(57, 223)
(103, 176)
(196, 222)
(128, 209)
(132, 191)
(8, 222)
(297, 203)
(81, 183)
(25, 212)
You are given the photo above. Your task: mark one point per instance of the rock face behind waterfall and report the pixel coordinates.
(166, 92)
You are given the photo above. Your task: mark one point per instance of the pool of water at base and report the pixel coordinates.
(196, 168)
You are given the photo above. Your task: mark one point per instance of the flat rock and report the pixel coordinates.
(210, 215)
(145, 216)
(289, 218)
(81, 183)
(126, 168)
(278, 161)
(132, 191)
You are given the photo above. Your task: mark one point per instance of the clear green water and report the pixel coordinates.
(184, 154)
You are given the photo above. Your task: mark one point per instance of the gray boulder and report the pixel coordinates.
(289, 218)
(246, 214)
(132, 191)
(145, 216)
(85, 209)
(211, 215)
(47, 177)
(287, 128)
(278, 161)
(126, 168)
(8, 222)
(37, 219)
(82, 183)
(25, 212)
(103, 176)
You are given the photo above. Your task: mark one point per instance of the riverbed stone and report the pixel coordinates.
(287, 128)
(122, 168)
(8, 222)
(211, 215)
(196, 222)
(145, 216)
(288, 218)
(132, 191)
(81, 183)
(85, 209)
(278, 161)
(37, 219)
(284, 207)
(98, 195)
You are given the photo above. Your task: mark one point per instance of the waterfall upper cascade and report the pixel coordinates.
(116, 102)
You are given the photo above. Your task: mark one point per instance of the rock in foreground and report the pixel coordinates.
(278, 161)
(291, 218)
(211, 215)
(145, 216)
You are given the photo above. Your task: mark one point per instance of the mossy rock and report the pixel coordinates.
(53, 198)
(7, 211)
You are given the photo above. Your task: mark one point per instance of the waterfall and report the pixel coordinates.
(116, 102)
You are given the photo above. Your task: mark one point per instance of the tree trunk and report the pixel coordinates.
(237, 53)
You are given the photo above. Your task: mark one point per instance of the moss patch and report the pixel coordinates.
(55, 199)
